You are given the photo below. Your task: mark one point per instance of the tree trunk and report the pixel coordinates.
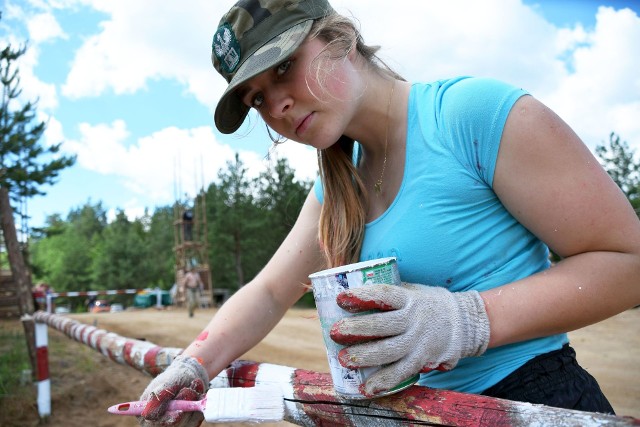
(19, 273)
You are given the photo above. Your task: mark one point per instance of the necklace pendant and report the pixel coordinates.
(378, 187)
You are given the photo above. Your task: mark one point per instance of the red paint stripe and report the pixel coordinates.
(322, 405)
(99, 342)
(126, 353)
(42, 363)
(151, 361)
(89, 336)
(448, 408)
(242, 373)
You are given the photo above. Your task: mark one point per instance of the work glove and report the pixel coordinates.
(184, 379)
(418, 329)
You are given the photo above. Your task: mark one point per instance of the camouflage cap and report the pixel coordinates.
(252, 37)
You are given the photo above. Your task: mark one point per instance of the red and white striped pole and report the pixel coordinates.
(310, 399)
(142, 355)
(42, 370)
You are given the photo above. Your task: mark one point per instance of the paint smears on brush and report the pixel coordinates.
(260, 404)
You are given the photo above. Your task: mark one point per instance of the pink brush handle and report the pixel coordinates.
(136, 407)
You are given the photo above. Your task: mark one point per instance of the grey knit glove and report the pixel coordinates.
(184, 379)
(419, 329)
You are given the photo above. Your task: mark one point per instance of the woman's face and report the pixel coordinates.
(308, 101)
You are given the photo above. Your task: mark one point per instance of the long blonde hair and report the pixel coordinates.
(344, 212)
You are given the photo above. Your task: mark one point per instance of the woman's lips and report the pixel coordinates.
(303, 125)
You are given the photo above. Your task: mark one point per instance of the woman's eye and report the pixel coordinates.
(283, 67)
(257, 100)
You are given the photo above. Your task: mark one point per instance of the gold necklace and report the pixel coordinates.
(378, 185)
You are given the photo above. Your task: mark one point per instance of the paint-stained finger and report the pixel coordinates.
(367, 327)
(373, 297)
(375, 353)
(158, 403)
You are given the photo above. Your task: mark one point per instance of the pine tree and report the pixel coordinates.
(25, 164)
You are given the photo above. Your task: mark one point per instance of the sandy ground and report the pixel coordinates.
(85, 383)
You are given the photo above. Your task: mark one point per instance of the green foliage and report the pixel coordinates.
(159, 242)
(120, 258)
(63, 254)
(619, 162)
(25, 164)
(13, 360)
(247, 220)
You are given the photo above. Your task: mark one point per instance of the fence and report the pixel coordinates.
(310, 399)
(51, 295)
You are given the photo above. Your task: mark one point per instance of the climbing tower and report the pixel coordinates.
(190, 243)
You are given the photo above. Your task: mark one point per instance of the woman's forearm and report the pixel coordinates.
(241, 323)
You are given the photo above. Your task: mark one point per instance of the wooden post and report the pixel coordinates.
(19, 272)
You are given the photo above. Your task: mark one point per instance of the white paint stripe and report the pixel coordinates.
(44, 398)
(42, 339)
(269, 374)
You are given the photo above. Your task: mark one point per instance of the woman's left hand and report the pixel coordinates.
(419, 329)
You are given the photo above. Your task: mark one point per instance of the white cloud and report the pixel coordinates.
(34, 89)
(300, 157)
(44, 27)
(602, 94)
(162, 166)
(499, 38)
(54, 133)
(41, 27)
(146, 40)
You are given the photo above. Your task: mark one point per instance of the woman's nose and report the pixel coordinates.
(279, 104)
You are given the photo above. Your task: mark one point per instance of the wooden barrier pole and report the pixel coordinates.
(142, 355)
(310, 399)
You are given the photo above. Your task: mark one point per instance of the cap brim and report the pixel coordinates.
(231, 111)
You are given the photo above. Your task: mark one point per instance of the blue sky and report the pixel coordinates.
(128, 86)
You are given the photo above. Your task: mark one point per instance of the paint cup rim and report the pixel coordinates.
(352, 267)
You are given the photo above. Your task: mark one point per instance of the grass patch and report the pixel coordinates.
(17, 392)
(14, 359)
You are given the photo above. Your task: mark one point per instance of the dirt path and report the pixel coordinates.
(84, 383)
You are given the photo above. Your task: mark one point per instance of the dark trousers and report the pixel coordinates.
(553, 379)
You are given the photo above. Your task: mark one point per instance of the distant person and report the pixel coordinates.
(40, 292)
(181, 297)
(91, 302)
(187, 220)
(39, 297)
(194, 287)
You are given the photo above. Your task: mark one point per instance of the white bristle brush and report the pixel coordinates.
(258, 404)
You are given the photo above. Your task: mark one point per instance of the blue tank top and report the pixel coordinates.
(447, 227)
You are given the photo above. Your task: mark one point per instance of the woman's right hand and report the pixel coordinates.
(184, 379)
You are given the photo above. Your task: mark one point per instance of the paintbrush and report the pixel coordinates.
(236, 404)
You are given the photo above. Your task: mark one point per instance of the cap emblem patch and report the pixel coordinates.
(226, 48)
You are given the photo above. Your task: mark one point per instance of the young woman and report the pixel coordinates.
(467, 181)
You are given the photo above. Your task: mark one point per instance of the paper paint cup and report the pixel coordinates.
(327, 284)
